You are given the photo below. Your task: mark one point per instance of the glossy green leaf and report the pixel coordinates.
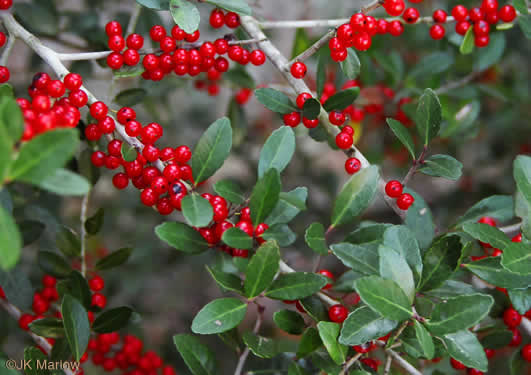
(185, 14)
(425, 340)
(219, 316)
(351, 66)
(53, 264)
(517, 258)
(265, 196)
(491, 271)
(288, 206)
(428, 116)
(237, 238)
(115, 259)
(487, 234)
(182, 237)
(499, 207)
(522, 175)
(310, 341)
(275, 100)
(280, 233)
(393, 266)
(342, 99)
(68, 242)
(77, 326)
(520, 299)
(11, 127)
(212, 149)
(363, 325)
(492, 53)
(403, 135)
(10, 239)
(361, 258)
(314, 307)
(315, 238)
(226, 280)
(467, 46)
(459, 313)
(95, 222)
(230, 191)
(441, 260)
(262, 269)
(30, 230)
(465, 347)
(198, 357)
(289, 321)
(48, 327)
(524, 21)
(419, 220)
(238, 6)
(296, 285)
(197, 210)
(355, 196)
(443, 166)
(452, 288)
(112, 320)
(277, 151)
(385, 297)
(497, 339)
(76, 286)
(260, 346)
(17, 287)
(329, 332)
(367, 232)
(128, 152)
(311, 108)
(401, 239)
(345, 282)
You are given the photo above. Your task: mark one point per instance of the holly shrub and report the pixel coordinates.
(360, 202)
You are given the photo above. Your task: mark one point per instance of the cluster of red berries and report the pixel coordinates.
(394, 189)
(218, 19)
(51, 106)
(213, 233)
(4, 71)
(182, 59)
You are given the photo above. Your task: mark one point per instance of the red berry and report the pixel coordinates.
(25, 320)
(507, 13)
(157, 33)
(259, 230)
(98, 110)
(336, 118)
(131, 57)
(517, 338)
(55, 88)
(526, 352)
(116, 43)
(456, 364)
(365, 348)
(352, 165)
(98, 300)
(125, 114)
(411, 15)
(78, 98)
(298, 70)
(489, 5)
(148, 197)
(476, 14)
(245, 226)
(394, 7)
(177, 33)
(512, 318)
(462, 27)
(460, 13)
(473, 371)
(481, 28)
(439, 16)
(217, 18)
(107, 125)
(490, 353)
(192, 37)
(292, 119)
(437, 32)
(395, 28)
(92, 132)
(96, 283)
(345, 33)
(257, 57)
(405, 201)
(4, 74)
(135, 41)
(183, 154)
(49, 281)
(344, 140)
(164, 206)
(487, 220)
(113, 28)
(73, 81)
(98, 158)
(517, 238)
(120, 181)
(338, 313)
(328, 274)
(232, 20)
(310, 124)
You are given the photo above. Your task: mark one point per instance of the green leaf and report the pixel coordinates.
(289, 321)
(275, 100)
(61, 350)
(520, 299)
(238, 6)
(237, 238)
(524, 21)
(401, 239)
(129, 71)
(315, 308)
(230, 191)
(391, 63)
(329, 332)
(295, 369)
(130, 97)
(393, 266)
(492, 53)
(17, 288)
(351, 66)
(315, 238)
(212, 149)
(63, 182)
(32, 358)
(345, 282)
(280, 233)
(301, 43)
(265, 196)
(465, 347)
(277, 151)
(260, 346)
(77, 326)
(452, 288)
(355, 196)
(440, 261)
(182, 237)
(309, 342)
(296, 285)
(11, 127)
(53, 264)
(428, 116)
(497, 339)
(115, 259)
(48, 327)
(487, 234)
(385, 297)
(95, 222)
(112, 320)
(68, 242)
(467, 46)
(199, 358)
(45, 153)
(197, 210)
(361, 258)
(219, 316)
(38, 18)
(30, 230)
(459, 313)
(522, 175)
(155, 4)
(517, 258)
(443, 166)
(226, 280)
(185, 14)
(425, 340)
(522, 209)
(363, 325)
(367, 232)
(420, 221)
(403, 135)
(323, 362)
(128, 152)
(311, 109)
(499, 207)
(432, 64)
(10, 239)
(491, 271)
(342, 99)
(288, 206)
(76, 286)
(262, 269)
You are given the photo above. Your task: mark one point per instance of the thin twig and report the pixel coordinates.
(83, 232)
(350, 363)
(456, 84)
(314, 47)
(7, 50)
(388, 363)
(415, 166)
(83, 56)
(403, 363)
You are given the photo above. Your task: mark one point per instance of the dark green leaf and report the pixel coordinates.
(265, 196)
(520, 299)
(226, 280)
(95, 222)
(77, 326)
(367, 232)
(68, 242)
(277, 151)
(497, 339)
(17, 288)
(53, 264)
(341, 99)
(112, 320)
(262, 269)
(323, 361)
(517, 258)
(315, 238)
(329, 332)
(425, 340)
(237, 238)
(115, 259)
(197, 210)
(238, 6)
(393, 266)
(524, 21)
(295, 369)
(345, 283)
(401, 239)
(491, 271)
(11, 127)
(363, 325)
(48, 327)
(420, 221)
(403, 135)
(301, 43)
(10, 239)
(465, 347)
(76, 286)
(309, 342)
(487, 234)
(385, 297)
(280, 233)
(128, 152)
(63, 182)
(230, 191)
(351, 66)
(311, 108)
(452, 288)
(185, 14)
(38, 18)
(129, 71)
(441, 260)
(61, 350)
(492, 53)
(219, 316)
(30, 231)
(288, 206)
(355, 196)
(212, 149)
(33, 357)
(289, 321)
(296, 285)
(199, 358)
(130, 97)
(467, 46)
(182, 237)
(428, 116)
(522, 175)
(155, 4)
(443, 166)
(275, 100)
(499, 207)
(361, 258)
(431, 64)
(260, 346)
